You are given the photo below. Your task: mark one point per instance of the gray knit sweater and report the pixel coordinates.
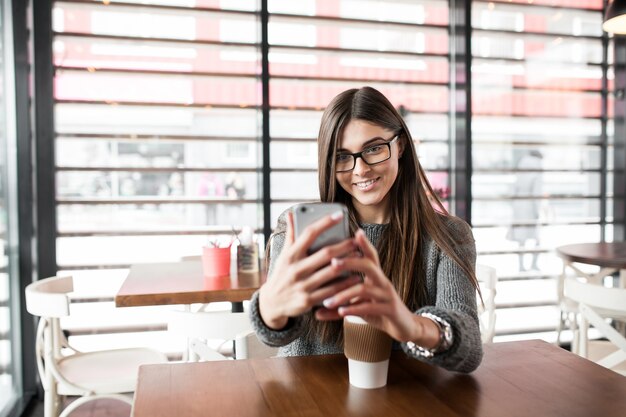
(451, 297)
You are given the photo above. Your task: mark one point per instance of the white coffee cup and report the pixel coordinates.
(368, 350)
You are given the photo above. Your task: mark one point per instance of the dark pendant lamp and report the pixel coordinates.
(615, 18)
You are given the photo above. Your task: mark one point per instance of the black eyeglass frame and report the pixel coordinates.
(360, 154)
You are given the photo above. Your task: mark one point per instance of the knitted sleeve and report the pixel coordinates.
(455, 302)
(295, 325)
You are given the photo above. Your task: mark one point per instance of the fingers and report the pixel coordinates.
(320, 286)
(312, 232)
(324, 256)
(368, 267)
(363, 310)
(362, 292)
(369, 251)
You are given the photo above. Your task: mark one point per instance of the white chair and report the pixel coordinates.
(569, 307)
(223, 327)
(90, 375)
(488, 279)
(248, 345)
(597, 304)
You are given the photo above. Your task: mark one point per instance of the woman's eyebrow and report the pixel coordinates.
(369, 142)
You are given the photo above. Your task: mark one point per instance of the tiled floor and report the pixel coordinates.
(99, 408)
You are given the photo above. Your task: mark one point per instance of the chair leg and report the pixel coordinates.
(560, 294)
(559, 328)
(52, 402)
(573, 325)
(583, 328)
(192, 355)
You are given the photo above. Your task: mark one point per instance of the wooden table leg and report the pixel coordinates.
(236, 307)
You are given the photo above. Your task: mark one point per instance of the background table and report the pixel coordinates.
(609, 256)
(530, 378)
(183, 283)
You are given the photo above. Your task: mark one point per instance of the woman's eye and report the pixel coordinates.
(373, 150)
(343, 158)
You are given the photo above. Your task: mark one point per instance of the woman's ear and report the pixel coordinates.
(400, 148)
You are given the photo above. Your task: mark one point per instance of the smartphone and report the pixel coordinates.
(307, 213)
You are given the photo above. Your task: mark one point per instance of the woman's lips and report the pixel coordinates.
(366, 185)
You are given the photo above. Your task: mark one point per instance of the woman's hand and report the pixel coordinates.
(295, 285)
(376, 300)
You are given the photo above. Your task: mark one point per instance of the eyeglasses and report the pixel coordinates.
(371, 155)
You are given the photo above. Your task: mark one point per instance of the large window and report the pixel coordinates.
(541, 147)
(159, 130)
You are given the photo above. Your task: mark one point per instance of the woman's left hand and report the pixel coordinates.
(375, 299)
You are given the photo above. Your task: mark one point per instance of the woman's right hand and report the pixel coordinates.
(296, 283)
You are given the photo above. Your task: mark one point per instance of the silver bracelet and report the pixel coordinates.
(445, 338)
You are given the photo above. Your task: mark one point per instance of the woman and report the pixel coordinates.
(417, 263)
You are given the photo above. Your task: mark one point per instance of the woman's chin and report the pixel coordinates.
(367, 199)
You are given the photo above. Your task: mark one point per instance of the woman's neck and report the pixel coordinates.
(372, 214)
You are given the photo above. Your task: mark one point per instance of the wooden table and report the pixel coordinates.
(609, 256)
(183, 283)
(530, 378)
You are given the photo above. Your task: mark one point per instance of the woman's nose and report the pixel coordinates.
(360, 167)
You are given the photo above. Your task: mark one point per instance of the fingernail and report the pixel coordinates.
(361, 232)
(328, 303)
(336, 262)
(341, 311)
(337, 215)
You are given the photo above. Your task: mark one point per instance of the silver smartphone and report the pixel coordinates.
(307, 213)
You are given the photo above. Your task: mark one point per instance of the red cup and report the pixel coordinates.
(216, 261)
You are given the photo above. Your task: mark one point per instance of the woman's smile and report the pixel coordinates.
(366, 185)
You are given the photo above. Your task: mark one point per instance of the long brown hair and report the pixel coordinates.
(412, 213)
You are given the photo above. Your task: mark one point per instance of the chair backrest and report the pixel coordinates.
(48, 297)
(248, 345)
(596, 304)
(208, 325)
(487, 277)
(597, 296)
(201, 326)
(218, 325)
